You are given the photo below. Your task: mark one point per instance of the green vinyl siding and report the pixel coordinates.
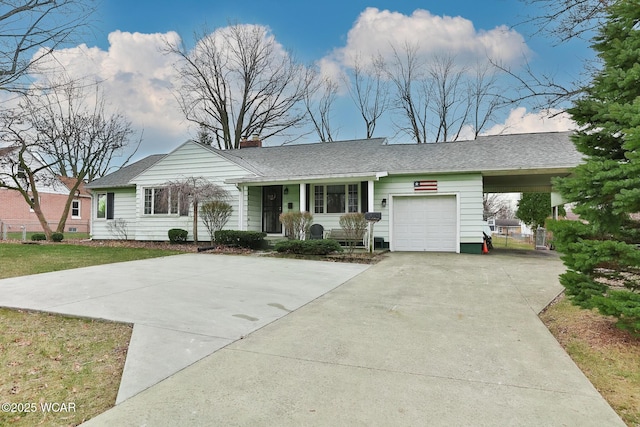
(189, 160)
(124, 207)
(466, 187)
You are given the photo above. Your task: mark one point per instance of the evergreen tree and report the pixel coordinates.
(601, 252)
(534, 209)
(204, 137)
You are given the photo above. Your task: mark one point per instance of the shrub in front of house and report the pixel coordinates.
(354, 226)
(178, 235)
(296, 224)
(308, 247)
(36, 237)
(57, 237)
(215, 215)
(241, 239)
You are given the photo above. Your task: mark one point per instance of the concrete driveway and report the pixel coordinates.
(418, 339)
(183, 307)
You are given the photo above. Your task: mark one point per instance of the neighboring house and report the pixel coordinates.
(508, 227)
(430, 195)
(16, 214)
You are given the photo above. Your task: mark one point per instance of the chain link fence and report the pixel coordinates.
(21, 230)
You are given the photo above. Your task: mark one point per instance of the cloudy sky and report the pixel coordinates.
(124, 49)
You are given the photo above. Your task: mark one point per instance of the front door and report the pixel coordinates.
(271, 208)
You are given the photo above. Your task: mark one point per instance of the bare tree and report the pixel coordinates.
(60, 131)
(194, 191)
(568, 19)
(319, 99)
(562, 21)
(411, 96)
(484, 95)
(32, 29)
(369, 92)
(238, 81)
(543, 90)
(438, 99)
(451, 102)
(19, 170)
(80, 136)
(496, 206)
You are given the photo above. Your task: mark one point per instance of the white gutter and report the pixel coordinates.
(306, 178)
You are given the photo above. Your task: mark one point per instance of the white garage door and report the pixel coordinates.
(424, 223)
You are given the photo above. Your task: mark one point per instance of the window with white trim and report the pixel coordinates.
(318, 193)
(104, 205)
(75, 209)
(164, 201)
(336, 198)
(353, 197)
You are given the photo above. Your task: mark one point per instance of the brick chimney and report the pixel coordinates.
(255, 141)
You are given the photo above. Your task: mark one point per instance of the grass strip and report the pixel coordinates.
(609, 357)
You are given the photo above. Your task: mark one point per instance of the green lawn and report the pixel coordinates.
(510, 243)
(20, 259)
(49, 358)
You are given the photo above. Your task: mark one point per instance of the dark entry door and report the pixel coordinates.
(271, 208)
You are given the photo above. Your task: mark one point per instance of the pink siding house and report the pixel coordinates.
(15, 213)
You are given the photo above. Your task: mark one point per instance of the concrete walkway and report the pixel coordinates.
(183, 307)
(418, 339)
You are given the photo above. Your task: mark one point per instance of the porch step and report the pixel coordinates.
(272, 240)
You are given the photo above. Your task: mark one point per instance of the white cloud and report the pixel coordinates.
(137, 79)
(520, 121)
(376, 31)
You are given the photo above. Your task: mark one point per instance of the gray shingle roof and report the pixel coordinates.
(122, 176)
(488, 153)
(368, 156)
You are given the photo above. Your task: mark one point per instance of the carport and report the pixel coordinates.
(526, 181)
(446, 215)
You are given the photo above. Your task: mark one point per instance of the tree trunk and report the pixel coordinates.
(67, 206)
(37, 209)
(43, 221)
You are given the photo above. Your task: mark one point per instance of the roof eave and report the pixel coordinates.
(94, 187)
(267, 180)
(556, 170)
